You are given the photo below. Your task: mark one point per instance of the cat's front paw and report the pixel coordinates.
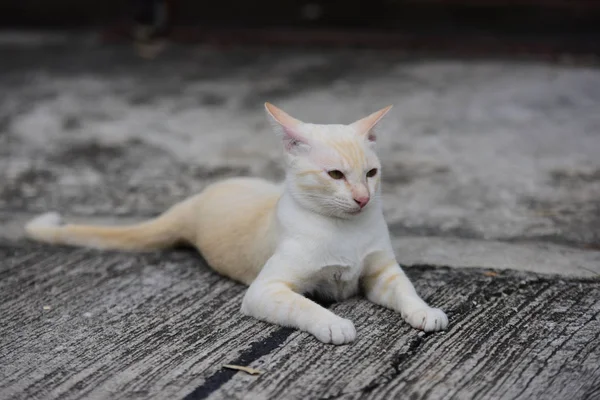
(428, 319)
(335, 330)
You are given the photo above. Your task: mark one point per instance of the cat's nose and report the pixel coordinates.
(362, 200)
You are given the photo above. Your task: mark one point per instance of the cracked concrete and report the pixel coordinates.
(97, 324)
(486, 164)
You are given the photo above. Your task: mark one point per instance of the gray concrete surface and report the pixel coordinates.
(486, 164)
(80, 324)
(500, 151)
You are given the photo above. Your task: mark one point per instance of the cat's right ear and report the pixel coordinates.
(288, 127)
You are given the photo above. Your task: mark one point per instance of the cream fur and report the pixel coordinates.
(307, 235)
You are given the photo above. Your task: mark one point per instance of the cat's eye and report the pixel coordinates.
(335, 174)
(372, 173)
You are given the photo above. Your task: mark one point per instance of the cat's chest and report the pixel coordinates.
(342, 253)
(336, 281)
(338, 264)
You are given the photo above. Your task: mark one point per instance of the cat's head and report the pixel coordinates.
(331, 169)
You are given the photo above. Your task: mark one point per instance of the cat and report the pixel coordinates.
(321, 231)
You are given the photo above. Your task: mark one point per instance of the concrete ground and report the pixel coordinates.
(491, 189)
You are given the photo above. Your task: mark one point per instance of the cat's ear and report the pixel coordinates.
(288, 127)
(365, 127)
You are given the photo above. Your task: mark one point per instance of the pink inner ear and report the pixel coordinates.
(365, 126)
(292, 138)
(288, 124)
(283, 118)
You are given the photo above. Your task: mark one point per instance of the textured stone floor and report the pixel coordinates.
(491, 189)
(81, 324)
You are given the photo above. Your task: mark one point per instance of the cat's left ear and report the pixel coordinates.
(365, 127)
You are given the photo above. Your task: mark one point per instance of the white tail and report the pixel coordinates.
(162, 232)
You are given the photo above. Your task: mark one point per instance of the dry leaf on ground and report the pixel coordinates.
(247, 370)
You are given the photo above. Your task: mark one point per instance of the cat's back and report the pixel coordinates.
(235, 225)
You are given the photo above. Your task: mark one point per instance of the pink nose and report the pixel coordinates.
(362, 201)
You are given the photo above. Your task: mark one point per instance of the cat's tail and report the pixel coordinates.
(165, 231)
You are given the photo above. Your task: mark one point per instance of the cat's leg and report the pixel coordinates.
(274, 299)
(385, 283)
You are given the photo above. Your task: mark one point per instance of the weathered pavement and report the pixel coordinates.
(87, 324)
(487, 164)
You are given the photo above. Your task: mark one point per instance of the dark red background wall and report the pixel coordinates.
(572, 24)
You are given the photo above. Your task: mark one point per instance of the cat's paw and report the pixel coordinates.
(428, 319)
(335, 330)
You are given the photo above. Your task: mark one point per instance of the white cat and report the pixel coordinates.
(321, 231)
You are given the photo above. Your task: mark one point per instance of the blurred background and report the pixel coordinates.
(112, 111)
(454, 26)
(121, 108)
